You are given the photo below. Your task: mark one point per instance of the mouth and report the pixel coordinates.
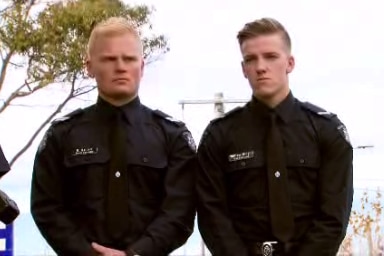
(120, 80)
(262, 79)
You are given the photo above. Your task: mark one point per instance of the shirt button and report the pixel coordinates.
(302, 161)
(117, 174)
(145, 160)
(242, 163)
(277, 174)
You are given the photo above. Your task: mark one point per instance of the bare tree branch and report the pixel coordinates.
(70, 96)
(3, 70)
(16, 65)
(11, 97)
(18, 93)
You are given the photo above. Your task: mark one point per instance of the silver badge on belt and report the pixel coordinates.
(267, 248)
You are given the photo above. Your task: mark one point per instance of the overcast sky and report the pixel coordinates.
(339, 66)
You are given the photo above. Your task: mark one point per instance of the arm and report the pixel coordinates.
(175, 221)
(335, 191)
(47, 208)
(4, 165)
(214, 223)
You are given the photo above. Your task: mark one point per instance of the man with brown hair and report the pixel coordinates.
(116, 178)
(275, 176)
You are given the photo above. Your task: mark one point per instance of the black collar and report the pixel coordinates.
(285, 110)
(130, 111)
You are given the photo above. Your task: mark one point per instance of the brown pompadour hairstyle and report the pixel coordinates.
(263, 26)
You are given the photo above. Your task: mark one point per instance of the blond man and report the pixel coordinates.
(116, 178)
(275, 176)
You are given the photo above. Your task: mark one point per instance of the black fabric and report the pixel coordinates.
(117, 209)
(280, 206)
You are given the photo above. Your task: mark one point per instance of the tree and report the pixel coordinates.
(51, 46)
(367, 223)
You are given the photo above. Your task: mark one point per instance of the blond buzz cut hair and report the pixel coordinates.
(113, 26)
(264, 26)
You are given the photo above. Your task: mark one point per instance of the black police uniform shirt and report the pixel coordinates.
(68, 185)
(232, 178)
(4, 165)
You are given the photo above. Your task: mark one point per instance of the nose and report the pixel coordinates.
(120, 65)
(260, 66)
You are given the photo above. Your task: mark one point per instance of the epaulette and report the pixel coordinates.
(318, 110)
(68, 116)
(169, 118)
(227, 114)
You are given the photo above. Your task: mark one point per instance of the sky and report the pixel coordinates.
(338, 51)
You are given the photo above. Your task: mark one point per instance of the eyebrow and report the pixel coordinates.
(249, 55)
(125, 56)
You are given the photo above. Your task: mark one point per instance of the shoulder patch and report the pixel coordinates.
(317, 110)
(227, 114)
(343, 130)
(68, 116)
(43, 141)
(169, 118)
(189, 139)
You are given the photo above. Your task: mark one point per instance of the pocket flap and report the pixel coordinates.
(306, 160)
(86, 156)
(256, 161)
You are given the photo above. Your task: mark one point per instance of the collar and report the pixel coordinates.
(285, 110)
(130, 110)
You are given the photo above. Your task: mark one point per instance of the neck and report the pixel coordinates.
(275, 99)
(118, 102)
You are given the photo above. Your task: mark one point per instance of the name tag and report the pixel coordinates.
(85, 151)
(241, 156)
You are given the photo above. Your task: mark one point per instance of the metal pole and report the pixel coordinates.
(182, 112)
(218, 102)
(219, 109)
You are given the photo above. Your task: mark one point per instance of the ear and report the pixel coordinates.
(88, 67)
(291, 64)
(243, 69)
(142, 67)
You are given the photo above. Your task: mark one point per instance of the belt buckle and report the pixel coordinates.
(267, 248)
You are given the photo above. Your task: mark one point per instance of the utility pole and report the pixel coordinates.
(218, 102)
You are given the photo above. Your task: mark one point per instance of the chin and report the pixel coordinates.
(265, 92)
(121, 94)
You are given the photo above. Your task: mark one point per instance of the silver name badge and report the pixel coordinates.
(85, 151)
(241, 156)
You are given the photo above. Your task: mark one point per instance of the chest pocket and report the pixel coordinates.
(86, 167)
(84, 156)
(255, 162)
(146, 172)
(245, 180)
(309, 160)
(155, 160)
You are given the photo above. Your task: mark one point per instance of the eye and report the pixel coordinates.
(130, 58)
(108, 59)
(248, 59)
(271, 56)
